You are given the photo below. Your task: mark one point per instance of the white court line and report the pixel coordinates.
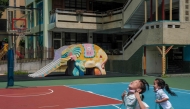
(128, 83)
(105, 83)
(176, 91)
(93, 93)
(92, 106)
(98, 83)
(120, 83)
(176, 88)
(72, 85)
(48, 106)
(116, 106)
(51, 91)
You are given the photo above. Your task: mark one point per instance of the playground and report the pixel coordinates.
(91, 93)
(85, 66)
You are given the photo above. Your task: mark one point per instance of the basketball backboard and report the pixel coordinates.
(19, 21)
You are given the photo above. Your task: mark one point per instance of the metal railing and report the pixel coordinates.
(126, 4)
(31, 55)
(133, 36)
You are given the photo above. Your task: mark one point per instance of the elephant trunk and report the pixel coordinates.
(103, 64)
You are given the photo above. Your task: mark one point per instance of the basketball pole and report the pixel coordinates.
(10, 60)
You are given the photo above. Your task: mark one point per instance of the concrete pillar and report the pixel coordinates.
(35, 23)
(34, 46)
(163, 60)
(182, 10)
(26, 47)
(45, 24)
(50, 49)
(35, 14)
(63, 38)
(144, 60)
(163, 10)
(145, 11)
(170, 10)
(156, 10)
(163, 52)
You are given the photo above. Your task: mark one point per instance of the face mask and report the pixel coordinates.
(131, 90)
(156, 90)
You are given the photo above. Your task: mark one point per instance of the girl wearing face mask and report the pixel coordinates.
(133, 97)
(161, 97)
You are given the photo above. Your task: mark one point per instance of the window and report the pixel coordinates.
(57, 36)
(75, 4)
(186, 12)
(186, 18)
(109, 43)
(187, 6)
(30, 21)
(186, 1)
(58, 4)
(39, 12)
(170, 26)
(75, 38)
(39, 39)
(3, 23)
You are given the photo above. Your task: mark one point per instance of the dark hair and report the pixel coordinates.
(161, 83)
(143, 87)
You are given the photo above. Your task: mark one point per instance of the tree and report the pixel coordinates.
(3, 3)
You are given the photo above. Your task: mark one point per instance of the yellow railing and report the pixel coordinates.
(4, 50)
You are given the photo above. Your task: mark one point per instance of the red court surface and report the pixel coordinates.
(54, 97)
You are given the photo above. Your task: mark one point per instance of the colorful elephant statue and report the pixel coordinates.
(85, 56)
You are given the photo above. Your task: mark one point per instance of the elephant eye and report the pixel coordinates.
(100, 56)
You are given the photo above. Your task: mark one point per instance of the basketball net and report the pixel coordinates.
(21, 32)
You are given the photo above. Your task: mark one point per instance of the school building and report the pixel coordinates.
(139, 36)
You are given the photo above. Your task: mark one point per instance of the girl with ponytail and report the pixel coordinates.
(133, 97)
(161, 97)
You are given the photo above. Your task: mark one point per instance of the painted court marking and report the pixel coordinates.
(99, 83)
(35, 94)
(177, 90)
(93, 106)
(49, 90)
(114, 105)
(51, 93)
(93, 93)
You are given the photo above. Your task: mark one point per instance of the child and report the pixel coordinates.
(132, 98)
(161, 98)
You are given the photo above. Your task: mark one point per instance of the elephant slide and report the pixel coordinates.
(77, 60)
(52, 66)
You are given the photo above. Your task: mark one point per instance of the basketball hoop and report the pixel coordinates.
(20, 32)
(18, 27)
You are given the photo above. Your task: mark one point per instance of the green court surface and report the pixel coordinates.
(174, 82)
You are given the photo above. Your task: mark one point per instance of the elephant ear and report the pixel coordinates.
(76, 51)
(65, 55)
(72, 51)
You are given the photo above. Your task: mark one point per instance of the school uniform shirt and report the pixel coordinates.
(131, 102)
(160, 94)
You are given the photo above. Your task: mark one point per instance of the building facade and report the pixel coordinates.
(147, 36)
